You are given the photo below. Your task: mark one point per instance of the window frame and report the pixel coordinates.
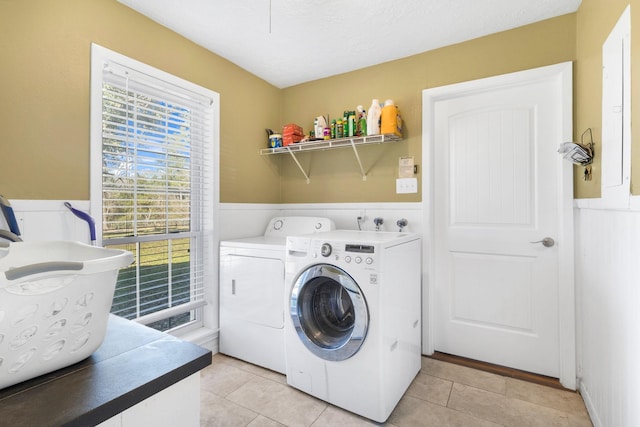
(101, 56)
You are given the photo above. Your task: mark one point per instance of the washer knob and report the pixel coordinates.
(369, 260)
(325, 249)
(347, 258)
(358, 260)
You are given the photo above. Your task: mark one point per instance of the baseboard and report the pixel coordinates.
(593, 414)
(204, 337)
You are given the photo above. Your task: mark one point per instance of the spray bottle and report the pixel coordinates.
(361, 129)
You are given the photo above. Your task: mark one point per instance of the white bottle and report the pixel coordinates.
(373, 118)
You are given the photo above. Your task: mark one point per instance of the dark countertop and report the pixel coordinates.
(133, 363)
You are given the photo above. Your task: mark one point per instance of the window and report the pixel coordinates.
(153, 149)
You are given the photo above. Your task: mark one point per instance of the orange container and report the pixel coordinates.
(292, 129)
(390, 120)
(290, 139)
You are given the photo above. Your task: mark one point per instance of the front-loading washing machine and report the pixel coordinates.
(251, 288)
(353, 329)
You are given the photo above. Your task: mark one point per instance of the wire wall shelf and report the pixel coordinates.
(328, 144)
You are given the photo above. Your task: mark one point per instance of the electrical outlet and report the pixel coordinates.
(406, 185)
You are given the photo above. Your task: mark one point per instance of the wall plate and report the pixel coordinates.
(406, 185)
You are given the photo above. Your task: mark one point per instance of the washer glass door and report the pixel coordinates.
(329, 312)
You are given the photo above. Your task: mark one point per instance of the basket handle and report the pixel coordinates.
(42, 267)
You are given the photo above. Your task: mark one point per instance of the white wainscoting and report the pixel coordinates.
(40, 220)
(51, 220)
(608, 313)
(238, 220)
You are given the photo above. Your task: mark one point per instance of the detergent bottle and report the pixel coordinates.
(373, 118)
(390, 121)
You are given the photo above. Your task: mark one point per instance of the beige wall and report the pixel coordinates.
(595, 20)
(335, 174)
(44, 102)
(44, 108)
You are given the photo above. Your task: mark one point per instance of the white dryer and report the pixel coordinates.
(251, 289)
(353, 331)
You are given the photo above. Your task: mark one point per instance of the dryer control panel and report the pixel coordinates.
(287, 226)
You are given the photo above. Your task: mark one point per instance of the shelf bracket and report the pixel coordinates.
(299, 165)
(355, 150)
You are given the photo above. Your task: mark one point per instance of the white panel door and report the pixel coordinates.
(496, 190)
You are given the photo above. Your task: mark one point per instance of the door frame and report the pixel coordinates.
(563, 74)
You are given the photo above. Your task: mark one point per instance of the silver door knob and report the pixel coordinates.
(547, 242)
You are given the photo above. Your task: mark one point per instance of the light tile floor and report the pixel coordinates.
(235, 393)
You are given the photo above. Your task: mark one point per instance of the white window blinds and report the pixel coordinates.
(157, 193)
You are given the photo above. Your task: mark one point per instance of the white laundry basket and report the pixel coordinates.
(55, 299)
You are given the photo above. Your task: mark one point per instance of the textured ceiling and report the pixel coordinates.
(287, 42)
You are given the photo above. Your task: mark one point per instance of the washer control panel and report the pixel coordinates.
(359, 254)
(352, 254)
